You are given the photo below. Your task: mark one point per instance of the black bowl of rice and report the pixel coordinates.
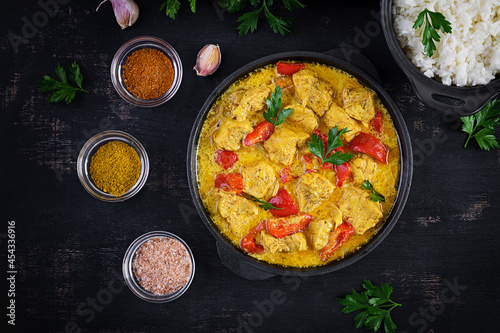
(464, 72)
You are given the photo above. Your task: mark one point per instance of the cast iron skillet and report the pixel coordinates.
(233, 257)
(451, 100)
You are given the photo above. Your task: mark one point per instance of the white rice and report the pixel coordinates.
(469, 56)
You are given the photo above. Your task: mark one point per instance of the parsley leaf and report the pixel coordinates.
(248, 21)
(62, 90)
(171, 8)
(433, 21)
(488, 118)
(317, 147)
(273, 114)
(376, 305)
(264, 204)
(376, 197)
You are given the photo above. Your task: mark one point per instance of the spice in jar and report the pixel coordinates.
(115, 168)
(148, 73)
(162, 265)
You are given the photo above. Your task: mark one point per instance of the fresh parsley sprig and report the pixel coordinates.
(433, 21)
(317, 147)
(376, 197)
(375, 304)
(248, 21)
(62, 90)
(264, 204)
(273, 114)
(172, 7)
(488, 118)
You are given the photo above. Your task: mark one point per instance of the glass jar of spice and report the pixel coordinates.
(113, 145)
(146, 71)
(158, 267)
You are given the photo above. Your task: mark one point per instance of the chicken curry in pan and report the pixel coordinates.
(298, 164)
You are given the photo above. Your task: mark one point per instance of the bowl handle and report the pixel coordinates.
(455, 102)
(239, 267)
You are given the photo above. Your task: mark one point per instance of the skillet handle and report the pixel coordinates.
(461, 103)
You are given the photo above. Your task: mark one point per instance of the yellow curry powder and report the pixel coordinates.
(115, 168)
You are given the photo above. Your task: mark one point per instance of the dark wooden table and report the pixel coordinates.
(441, 258)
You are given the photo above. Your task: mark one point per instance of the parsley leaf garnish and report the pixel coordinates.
(433, 21)
(264, 204)
(172, 7)
(488, 119)
(248, 21)
(375, 304)
(273, 114)
(317, 147)
(62, 90)
(376, 197)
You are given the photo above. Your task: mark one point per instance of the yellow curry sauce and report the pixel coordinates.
(383, 177)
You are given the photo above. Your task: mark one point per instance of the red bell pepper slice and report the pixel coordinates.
(285, 175)
(247, 242)
(343, 171)
(230, 182)
(337, 237)
(285, 68)
(260, 133)
(226, 158)
(370, 145)
(280, 227)
(283, 200)
(377, 122)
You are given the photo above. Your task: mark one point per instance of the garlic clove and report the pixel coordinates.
(208, 60)
(126, 11)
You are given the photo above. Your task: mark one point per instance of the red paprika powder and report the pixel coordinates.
(148, 73)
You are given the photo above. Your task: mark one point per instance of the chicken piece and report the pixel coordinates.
(293, 243)
(231, 133)
(312, 190)
(363, 167)
(287, 88)
(282, 145)
(301, 118)
(358, 209)
(314, 93)
(359, 103)
(258, 178)
(239, 213)
(252, 101)
(302, 138)
(319, 229)
(232, 100)
(336, 116)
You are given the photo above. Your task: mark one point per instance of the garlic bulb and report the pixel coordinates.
(126, 11)
(208, 60)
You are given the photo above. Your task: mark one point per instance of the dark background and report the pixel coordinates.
(69, 246)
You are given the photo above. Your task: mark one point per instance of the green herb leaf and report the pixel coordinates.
(488, 118)
(171, 8)
(274, 114)
(375, 304)
(291, 4)
(62, 90)
(248, 22)
(316, 146)
(192, 3)
(376, 197)
(233, 6)
(264, 204)
(277, 24)
(433, 21)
